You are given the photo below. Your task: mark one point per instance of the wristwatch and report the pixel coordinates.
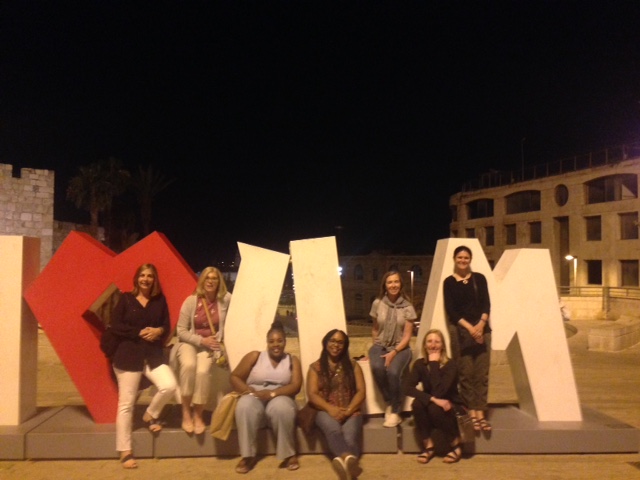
(272, 394)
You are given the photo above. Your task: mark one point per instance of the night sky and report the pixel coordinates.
(285, 120)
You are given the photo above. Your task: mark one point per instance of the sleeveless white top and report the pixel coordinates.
(264, 376)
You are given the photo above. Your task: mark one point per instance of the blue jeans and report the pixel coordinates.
(389, 379)
(342, 438)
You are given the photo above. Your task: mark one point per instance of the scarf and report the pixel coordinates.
(391, 320)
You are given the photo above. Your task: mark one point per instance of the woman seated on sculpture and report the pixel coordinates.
(434, 404)
(269, 380)
(335, 386)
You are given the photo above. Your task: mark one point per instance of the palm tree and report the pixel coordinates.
(95, 187)
(147, 184)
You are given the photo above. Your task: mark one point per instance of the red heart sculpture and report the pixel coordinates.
(81, 270)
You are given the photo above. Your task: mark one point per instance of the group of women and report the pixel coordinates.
(140, 320)
(440, 385)
(269, 380)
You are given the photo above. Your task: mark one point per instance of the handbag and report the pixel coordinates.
(466, 341)
(224, 416)
(306, 418)
(220, 356)
(109, 342)
(465, 425)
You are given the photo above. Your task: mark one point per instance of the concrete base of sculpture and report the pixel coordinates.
(70, 433)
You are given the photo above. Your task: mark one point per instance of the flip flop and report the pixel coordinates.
(153, 424)
(484, 425)
(454, 455)
(292, 463)
(245, 465)
(128, 462)
(426, 456)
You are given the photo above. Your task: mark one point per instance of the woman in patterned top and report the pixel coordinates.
(335, 386)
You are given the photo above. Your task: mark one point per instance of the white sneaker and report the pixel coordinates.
(393, 420)
(340, 468)
(387, 412)
(351, 465)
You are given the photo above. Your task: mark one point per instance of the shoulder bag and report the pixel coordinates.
(220, 356)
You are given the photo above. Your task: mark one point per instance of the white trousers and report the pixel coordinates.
(128, 382)
(193, 370)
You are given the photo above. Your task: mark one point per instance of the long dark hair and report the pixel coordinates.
(344, 361)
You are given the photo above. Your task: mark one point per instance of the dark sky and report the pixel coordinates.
(282, 120)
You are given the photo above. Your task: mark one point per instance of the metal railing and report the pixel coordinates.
(595, 291)
(607, 156)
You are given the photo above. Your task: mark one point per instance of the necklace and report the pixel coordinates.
(464, 279)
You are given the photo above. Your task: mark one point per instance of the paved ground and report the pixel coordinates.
(607, 382)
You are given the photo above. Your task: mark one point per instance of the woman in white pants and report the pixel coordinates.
(141, 321)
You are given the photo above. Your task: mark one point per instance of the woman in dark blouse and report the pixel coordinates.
(467, 304)
(141, 320)
(433, 405)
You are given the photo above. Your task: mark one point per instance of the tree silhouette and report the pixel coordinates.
(94, 189)
(147, 184)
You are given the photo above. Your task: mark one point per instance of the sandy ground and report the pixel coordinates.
(607, 382)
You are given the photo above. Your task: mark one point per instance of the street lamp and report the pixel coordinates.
(411, 273)
(575, 268)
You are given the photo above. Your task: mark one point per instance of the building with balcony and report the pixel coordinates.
(584, 210)
(361, 276)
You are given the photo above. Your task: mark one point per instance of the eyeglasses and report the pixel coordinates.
(336, 342)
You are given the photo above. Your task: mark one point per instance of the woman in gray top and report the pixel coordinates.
(393, 317)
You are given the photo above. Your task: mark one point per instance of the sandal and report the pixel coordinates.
(476, 424)
(153, 424)
(426, 456)
(483, 425)
(291, 463)
(454, 455)
(128, 462)
(245, 465)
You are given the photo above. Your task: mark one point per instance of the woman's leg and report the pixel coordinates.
(202, 388)
(249, 418)
(332, 431)
(481, 383)
(281, 416)
(379, 372)
(352, 431)
(422, 420)
(394, 378)
(127, 393)
(185, 359)
(164, 380)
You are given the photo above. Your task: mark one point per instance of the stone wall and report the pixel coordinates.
(26, 206)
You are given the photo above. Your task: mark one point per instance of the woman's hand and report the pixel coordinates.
(477, 332)
(262, 395)
(388, 357)
(151, 334)
(210, 342)
(335, 412)
(442, 403)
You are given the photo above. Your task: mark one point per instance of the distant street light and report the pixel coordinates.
(575, 268)
(411, 272)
